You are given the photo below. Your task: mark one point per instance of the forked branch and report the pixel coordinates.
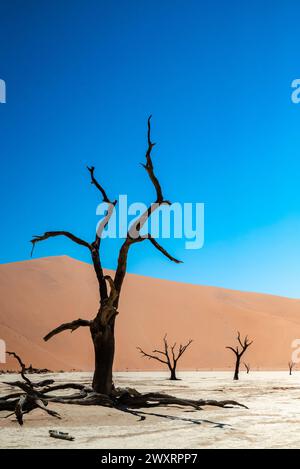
(171, 355)
(95, 245)
(152, 357)
(110, 206)
(22, 366)
(239, 352)
(149, 166)
(133, 235)
(244, 344)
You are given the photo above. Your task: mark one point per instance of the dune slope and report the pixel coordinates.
(38, 295)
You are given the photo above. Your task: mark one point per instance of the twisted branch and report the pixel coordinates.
(94, 181)
(52, 234)
(244, 345)
(67, 326)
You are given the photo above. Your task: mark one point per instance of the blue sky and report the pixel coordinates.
(82, 77)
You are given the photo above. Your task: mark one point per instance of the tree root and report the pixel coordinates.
(125, 400)
(36, 395)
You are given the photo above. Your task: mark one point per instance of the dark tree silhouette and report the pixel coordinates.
(291, 367)
(247, 366)
(168, 356)
(102, 327)
(239, 352)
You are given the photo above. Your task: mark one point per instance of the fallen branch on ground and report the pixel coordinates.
(37, 395)
(61, 435)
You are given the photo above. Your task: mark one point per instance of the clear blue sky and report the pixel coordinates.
(82, 77)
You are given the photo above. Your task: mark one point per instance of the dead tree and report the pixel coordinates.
(239, 352)
(247, 366)
(291, 367)
(102, 326)
(168, 356)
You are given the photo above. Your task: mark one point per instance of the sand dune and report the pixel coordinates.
(38, 295)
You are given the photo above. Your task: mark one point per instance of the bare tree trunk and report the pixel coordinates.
(104, 346)
(103, 337)
(173, 374)
(237, 368)
(291, 367)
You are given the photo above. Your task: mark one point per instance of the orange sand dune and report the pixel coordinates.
(38, 295)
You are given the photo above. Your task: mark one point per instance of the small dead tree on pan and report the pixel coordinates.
(168, 356)
(291, 367)
(239, 351)
(247, 366)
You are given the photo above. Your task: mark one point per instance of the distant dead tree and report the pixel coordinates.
(239, 352)
(247, 366)
(169, 356)
(291, 367)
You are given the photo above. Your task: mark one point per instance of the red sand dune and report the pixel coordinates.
(38, 295)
